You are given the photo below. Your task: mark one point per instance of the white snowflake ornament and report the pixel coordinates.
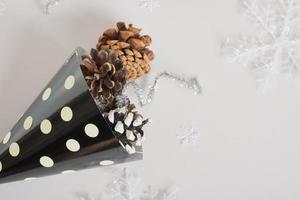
(125, 187)
(128, 185)
(273, 52)
(149, 4)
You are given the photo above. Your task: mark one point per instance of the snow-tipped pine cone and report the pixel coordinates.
(131, 48)
(105, 76)
(127, 124)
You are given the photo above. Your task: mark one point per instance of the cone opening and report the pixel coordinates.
(129, 147)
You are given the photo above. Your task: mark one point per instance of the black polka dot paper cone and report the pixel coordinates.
(62, 131)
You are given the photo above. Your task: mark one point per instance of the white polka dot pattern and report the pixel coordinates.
(69, 82)
(14, 149)
(6, 138)
(106, 162)
(46, 94)
(46, 126)
(28, 123)
(66, 114)
(73, 145)
(91, 130)
(46, 161)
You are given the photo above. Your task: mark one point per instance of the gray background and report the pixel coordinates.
(249, 143)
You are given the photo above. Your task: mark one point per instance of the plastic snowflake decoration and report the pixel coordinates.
(2, 7)
(274, 50)
(149, 4)
(84, 196)
(49, 4)
(188, 136)
(168, 193)
(129, 187)
(125, 187)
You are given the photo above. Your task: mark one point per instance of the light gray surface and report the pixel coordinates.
(249, 142)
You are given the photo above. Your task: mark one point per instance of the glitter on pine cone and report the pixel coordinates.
(131, 48)
(105, 76)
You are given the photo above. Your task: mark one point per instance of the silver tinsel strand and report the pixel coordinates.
(144, 99)
(121, 101)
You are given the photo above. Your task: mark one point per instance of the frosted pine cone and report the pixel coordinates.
(105, 76)
(127, 125)
(130, 47)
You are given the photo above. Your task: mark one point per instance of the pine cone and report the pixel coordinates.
(127, 124)
(105, 76)
(130, 47)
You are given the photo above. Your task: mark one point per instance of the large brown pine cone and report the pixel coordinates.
(127, 124)
(130, 47)
(105, 76)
